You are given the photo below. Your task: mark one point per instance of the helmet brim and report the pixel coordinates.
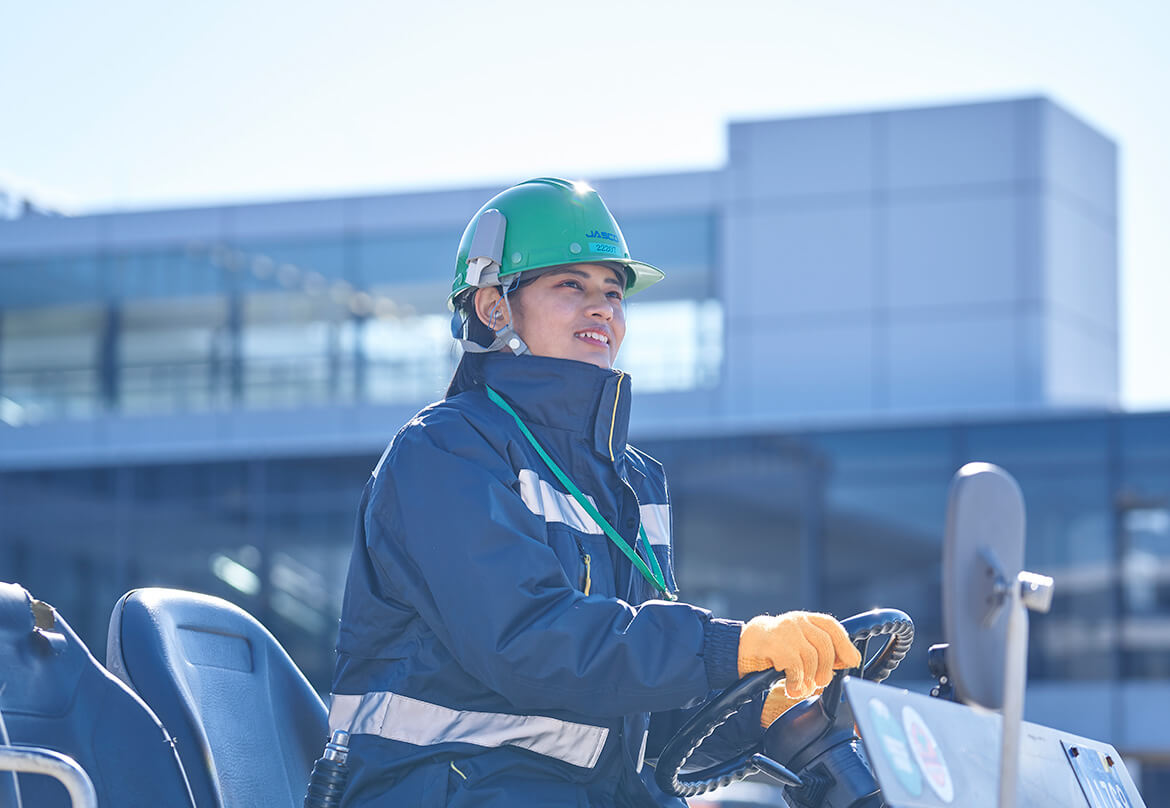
(640, 275)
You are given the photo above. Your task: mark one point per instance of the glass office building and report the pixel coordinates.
(856, 305)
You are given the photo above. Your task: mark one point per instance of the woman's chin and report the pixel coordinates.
(590, 356)
(602, 361)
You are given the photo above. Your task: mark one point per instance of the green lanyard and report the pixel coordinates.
(654, 576)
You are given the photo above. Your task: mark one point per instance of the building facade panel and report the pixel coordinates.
(954, 360)
(1082, 361)
(684, 244)
(807, 262)
(1080, 266)
(302, 219)
(802, 157)
(169, 227)
(689, 191)
(790, 361)
(959, 252)
(446, 208)
(1079, 161)
(952, 146)
(39, 235)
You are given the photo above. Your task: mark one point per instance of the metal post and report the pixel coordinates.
(1015, 677)
(108, 359)
(361, 362)
(235, 330)
(1029, 591)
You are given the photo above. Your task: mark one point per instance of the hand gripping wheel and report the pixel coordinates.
(891, 623)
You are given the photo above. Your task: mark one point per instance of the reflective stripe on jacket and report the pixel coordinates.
(491, 629)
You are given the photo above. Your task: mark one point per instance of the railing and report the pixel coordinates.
(34, 760)
(71, 393)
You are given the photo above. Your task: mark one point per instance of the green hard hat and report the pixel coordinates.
(542, 223)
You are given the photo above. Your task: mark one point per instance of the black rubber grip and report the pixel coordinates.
(668, 771)
(874, 623)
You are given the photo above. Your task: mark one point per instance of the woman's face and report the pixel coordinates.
(571, 312)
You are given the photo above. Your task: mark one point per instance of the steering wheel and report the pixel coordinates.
(894, 624)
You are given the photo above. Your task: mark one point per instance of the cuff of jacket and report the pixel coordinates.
(721, 652)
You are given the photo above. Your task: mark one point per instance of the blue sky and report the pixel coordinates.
(125, 105)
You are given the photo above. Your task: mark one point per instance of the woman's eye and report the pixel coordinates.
(616, 296)
(572, 284)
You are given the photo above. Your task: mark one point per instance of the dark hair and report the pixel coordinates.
(469, 372)
(477, 330)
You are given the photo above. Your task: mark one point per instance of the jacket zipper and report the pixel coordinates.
(613, 418)
(587, 582)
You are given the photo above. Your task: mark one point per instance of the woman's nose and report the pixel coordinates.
(602, 307)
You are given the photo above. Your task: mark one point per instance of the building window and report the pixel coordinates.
(174, 355)
(50, 365)
(673, 344)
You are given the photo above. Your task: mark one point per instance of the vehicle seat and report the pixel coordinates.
(55, 695)
(247, 724)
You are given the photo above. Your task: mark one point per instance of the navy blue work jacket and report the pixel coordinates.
(496, 648)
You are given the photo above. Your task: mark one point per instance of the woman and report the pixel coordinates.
(511, 633)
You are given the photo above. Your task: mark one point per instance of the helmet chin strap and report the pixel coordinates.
(506, 337)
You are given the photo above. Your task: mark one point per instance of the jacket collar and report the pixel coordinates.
(563, 394)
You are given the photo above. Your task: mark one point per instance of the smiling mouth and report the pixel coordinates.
(593, 337)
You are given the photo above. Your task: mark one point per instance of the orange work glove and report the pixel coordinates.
(807, 646)
(777, 703)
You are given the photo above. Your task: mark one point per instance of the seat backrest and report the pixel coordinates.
(247, 724)
(54, 694)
